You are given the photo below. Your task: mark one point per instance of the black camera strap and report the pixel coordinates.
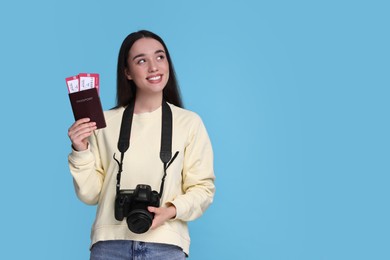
(166, 140)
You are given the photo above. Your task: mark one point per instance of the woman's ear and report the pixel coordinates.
(127, 73)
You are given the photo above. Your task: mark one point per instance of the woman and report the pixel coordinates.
(145, 80)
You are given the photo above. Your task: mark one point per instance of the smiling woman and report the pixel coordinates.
(148, 67)
(133, 52)
(141, 222)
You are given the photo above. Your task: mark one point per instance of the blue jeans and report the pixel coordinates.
(135, 250)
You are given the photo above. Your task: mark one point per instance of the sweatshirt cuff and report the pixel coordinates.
(179, 208)
(77, 156)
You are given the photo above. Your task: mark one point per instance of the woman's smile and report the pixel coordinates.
(155, 78)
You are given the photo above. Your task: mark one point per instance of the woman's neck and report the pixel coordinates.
(147, 103)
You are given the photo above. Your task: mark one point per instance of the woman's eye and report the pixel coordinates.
(161, 57)
(141, 61)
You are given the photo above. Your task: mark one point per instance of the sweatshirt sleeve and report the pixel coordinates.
(198, 175)
(87, 172)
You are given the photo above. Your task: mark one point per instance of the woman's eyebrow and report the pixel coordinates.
(142, 54)
(138, 56)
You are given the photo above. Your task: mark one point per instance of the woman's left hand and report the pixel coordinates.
(161, 215)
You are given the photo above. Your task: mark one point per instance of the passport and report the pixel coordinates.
(87, 103)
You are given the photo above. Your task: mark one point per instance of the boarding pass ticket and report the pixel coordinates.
(82, 81)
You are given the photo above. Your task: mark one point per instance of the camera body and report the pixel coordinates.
(133, 204)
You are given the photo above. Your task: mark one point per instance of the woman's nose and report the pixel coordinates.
(152, 66)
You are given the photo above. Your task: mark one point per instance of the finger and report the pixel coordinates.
(153, 226)
(80, 137)
(76, 128)
(156, 223)
(82, 121)
(82, 132)
(85, 127)
(79, 122)
(152, 209)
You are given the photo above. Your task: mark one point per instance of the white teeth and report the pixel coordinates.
(154, 78)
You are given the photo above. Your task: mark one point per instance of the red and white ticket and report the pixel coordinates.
(73, 84)
(88, 81)
(83, 81)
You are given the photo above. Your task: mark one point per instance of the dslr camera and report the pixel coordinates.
(133, 204)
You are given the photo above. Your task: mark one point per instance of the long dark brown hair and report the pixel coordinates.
(126, 89)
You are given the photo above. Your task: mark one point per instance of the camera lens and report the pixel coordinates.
(139, 221)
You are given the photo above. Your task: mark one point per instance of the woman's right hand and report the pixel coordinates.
(79, 133)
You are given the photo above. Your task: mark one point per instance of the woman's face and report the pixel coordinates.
(147, 66)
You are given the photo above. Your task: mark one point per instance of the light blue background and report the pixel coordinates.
(294, 95)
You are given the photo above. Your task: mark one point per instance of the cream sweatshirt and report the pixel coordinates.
(189, 184)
